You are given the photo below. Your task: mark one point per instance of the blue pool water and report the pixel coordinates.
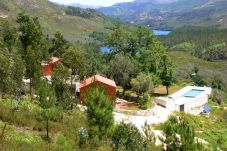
(105, 49)
(161, 32)
(193, 93)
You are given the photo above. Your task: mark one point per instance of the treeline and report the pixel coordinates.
(203, 42)
(85, 13)
(24, 47)
(137, 55)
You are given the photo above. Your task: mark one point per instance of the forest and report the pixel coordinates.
(45, 114)
(204, 42)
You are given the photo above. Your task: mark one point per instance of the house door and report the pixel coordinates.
(181, 108)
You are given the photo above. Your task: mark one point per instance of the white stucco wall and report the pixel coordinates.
(192, 105)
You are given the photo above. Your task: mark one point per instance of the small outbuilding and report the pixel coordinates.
(48, 67)
(108, 84)
(190, 99)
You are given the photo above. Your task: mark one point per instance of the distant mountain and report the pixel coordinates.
(171, 13)
(75, 23)
(84, 6)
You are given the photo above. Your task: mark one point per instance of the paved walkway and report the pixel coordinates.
(155, 115)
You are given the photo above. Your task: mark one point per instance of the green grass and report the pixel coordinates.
(132, 108)
(26, 130)
(213, 128)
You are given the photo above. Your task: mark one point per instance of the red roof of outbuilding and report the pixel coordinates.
(54, 60)
(98, 78)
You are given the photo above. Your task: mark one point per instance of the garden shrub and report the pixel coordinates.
(127, 137)
(62, 143)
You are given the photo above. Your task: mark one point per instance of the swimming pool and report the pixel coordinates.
(193, 93)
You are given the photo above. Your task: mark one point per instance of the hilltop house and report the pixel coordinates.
(108, 84)
(190, 99)
(48, 67)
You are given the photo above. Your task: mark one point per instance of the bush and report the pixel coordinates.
(143, 103)
(218, 96)
(62, 143)
(5, 112)
(83, 134)
(127, 137)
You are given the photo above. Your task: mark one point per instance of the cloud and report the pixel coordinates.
(157, 1)
(91, 2)
(165, 1)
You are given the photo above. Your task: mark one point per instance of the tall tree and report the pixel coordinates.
(142, 83)
(9, 36)
(59, 45)
(59, 79)
(11, 73)
(166, 72)
(143, 36)
(117, 40)
(95, 60)
(47, 101)
(4, 72)
(150, 55)
(99, 111)
(33, 68)
(122, 69)
(74, 60)
(30, 32)
(31, 38)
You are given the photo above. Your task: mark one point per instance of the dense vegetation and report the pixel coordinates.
(76, 11)
(44, 114)
(74, 23)
(42, 106)
(205, 43)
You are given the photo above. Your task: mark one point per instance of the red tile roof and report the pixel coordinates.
(54, 60)
(98, 78)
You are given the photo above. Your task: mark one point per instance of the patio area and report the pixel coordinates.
(155, 115)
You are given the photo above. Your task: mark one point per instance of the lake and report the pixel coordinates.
(156, 32)
(161, 32)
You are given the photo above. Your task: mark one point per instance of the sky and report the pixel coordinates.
(91, 2)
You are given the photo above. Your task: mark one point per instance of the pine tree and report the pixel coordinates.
(47, 100)
(59, 45)
(166, 72)
(59, 79)
(99, 111)
(9, 36)
(33, 50)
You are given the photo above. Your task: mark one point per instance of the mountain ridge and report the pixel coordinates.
(171, 15)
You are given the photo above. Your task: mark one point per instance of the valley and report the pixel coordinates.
(172, 14)
(136, 76)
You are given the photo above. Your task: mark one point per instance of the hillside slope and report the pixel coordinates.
(185, 63)
(170, 15)
(54, 18)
